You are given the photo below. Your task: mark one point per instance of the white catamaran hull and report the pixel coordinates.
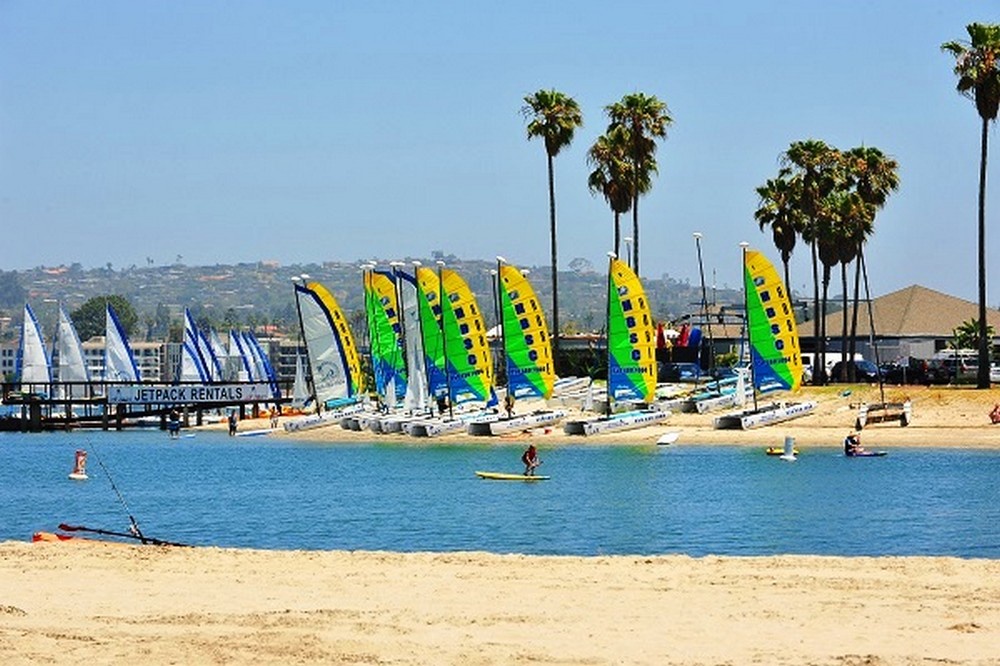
(320, 420)
(537, 419)
(444, 426)
(764, 416)
(616, 422)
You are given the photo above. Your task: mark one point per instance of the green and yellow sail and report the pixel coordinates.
(772, 333)
(528, 349)
(385, 332)
(631, 336)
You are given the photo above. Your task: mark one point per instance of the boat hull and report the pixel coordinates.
(616, 422)
(763, 416)
(538, 419)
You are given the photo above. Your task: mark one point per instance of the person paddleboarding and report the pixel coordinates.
(530, 460)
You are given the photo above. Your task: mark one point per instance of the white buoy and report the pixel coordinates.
(789, 453)
(79, 472)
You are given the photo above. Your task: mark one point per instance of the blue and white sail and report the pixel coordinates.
(237, 351)
(119, 361)
(192, 362)
(264, 371)
(34, 369)
(72, 365)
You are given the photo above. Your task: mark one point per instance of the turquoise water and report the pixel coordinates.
(260, 492)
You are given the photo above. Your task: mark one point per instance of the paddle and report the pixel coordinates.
(144, 539)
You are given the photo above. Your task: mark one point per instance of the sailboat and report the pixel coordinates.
(527, 353)
(385, 342)
(417, 397)
(34, 368)
(631, 361)
(72, 365)
(460, 369)
(331, 354)
(192, 367)
(300, 390)
(773, 341)
(119, 361)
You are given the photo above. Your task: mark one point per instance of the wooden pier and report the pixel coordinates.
(72, 405)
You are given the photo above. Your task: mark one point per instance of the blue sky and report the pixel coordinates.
(303, 131)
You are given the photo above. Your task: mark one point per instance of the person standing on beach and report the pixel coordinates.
(232, 424)
(530, 460)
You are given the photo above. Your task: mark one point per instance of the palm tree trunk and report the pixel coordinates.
(819, 369)
(635, 234)
(555, 267)
(983, 380)
(618, 233)
(822, 326)
(843, 329)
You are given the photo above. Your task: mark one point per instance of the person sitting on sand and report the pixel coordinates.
(852, 444)
(995, 414)
(530, 460)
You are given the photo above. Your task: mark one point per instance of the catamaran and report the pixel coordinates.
(331, 354)
(773, 341)
(385, 343)
(34, 368)
(460, 370)
(527, 354)
(631, 360)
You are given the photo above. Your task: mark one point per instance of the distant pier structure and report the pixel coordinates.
(116, 405)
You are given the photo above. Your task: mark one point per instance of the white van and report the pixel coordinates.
(831, 358)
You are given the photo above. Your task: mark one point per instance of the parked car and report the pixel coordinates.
(995, 373)
(864, 371)
(954, 370)
(679, 372)
(913, 371)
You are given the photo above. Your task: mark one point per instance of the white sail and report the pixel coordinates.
(417, 391)
(330, 349)
(72, 365)
(33, 361)
(119, 362)
(300, 390)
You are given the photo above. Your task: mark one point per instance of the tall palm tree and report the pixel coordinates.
(874, 176)
(553, 117)
(646, 118)
(815, 169)
(777, 210)
(612, 174)
(977, 66)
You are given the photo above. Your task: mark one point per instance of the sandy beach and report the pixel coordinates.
(108, 603)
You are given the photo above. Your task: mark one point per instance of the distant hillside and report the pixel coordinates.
(261, 294)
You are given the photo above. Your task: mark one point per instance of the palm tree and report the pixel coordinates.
(612, 174)
(815, 169)
(874, 176)
(554, 117)
(646, 118)
(977, 66)
(777, 210)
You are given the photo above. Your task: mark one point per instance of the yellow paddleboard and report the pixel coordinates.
(501, 476)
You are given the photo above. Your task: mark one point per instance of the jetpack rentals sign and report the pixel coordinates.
(140, 394)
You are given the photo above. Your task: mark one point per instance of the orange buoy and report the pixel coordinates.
(79, 472)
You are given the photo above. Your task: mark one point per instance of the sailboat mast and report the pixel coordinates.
(704, 305)
(444, 337)
(746, 318)
(498, 313)
(607, 329)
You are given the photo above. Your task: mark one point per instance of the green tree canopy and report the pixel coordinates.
(90, 317)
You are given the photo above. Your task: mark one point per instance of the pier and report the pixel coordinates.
(117, 406)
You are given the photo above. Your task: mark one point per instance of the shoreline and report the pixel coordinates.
(943, 417)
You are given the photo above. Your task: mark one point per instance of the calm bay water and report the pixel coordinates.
(260, 492)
